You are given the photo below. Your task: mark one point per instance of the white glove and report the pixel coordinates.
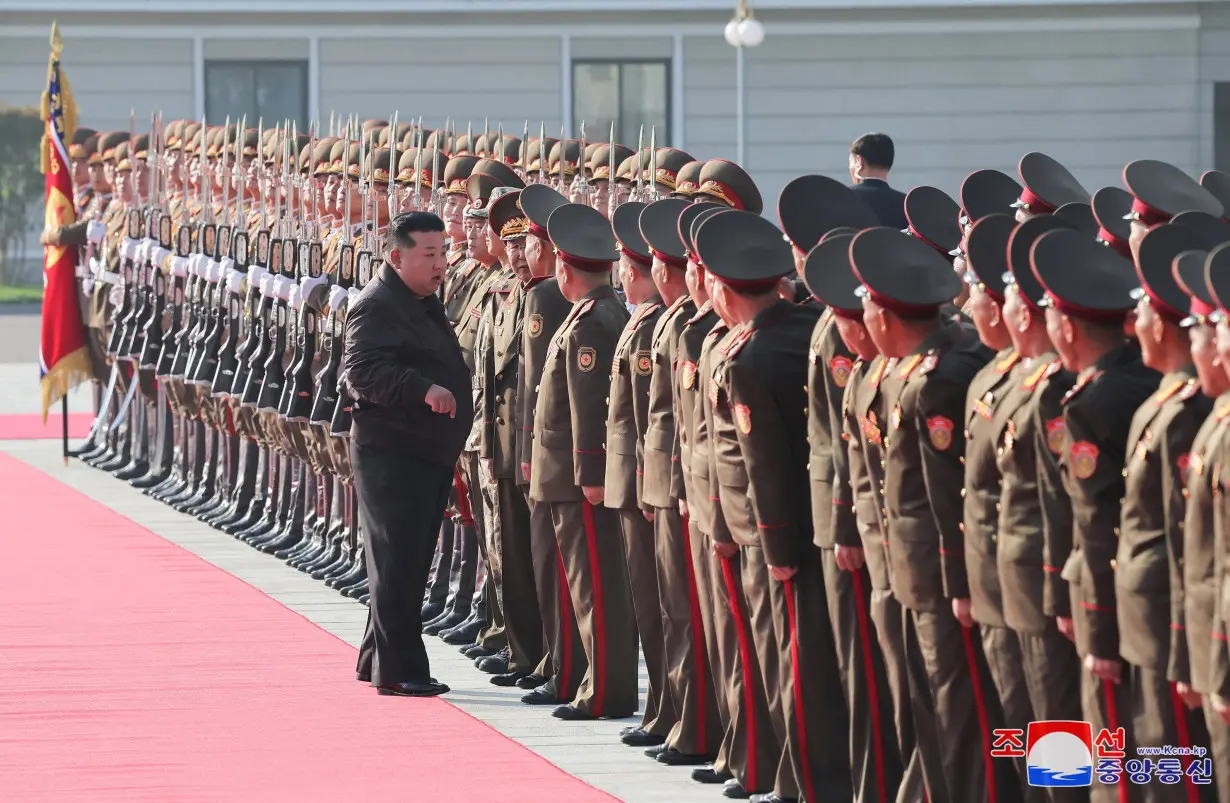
(266, 284)
(293, 299)
(255, 274)
(222, 269)
(234, 282)
(179, 266)
(128, 249)
(116, 296)
(337, 298)
(309, 283)
(351, 294)
(281, 288)
(157, 254)
(95, 230)
(96, 266)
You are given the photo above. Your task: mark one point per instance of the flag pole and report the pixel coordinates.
(64, 416)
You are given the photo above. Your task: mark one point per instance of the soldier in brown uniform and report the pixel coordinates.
(1088, 289)
(1035, 514)
(500, 367)
(568, 464)
(905, 283)
(1205, 545)
(627, 422)
(992, 398)
(1151, 533)
(558, 677)
(810, 209)
(760, 389)
(698, 732)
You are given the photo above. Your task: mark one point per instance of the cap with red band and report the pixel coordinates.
(746, 252)
(626, 225)
(1160, 191)
(582, 237)
(829, 275)
(730, 184)
(902, 273)
(659, 226)
(1020, 243)
(933, 217)
(1047, 184)
(1155, 269)
(538, 201)
(1082, 278)
(811, 206)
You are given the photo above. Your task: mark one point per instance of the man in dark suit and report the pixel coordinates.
(412, 413)
(871, 157)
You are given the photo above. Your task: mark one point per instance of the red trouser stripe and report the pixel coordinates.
(1112, 722)
(566, 619)
(463, 499)
(599, 615)
(971, 657)
(698, 638)
(796, 677)
(1185, 740)
(745, 658)
(869, 669)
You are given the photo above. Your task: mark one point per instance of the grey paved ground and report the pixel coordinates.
(589, 750)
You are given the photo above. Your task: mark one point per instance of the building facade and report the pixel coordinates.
(959, 85)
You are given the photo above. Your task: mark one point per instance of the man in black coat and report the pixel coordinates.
(412, 413)
(871, 157)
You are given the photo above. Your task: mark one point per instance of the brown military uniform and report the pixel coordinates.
(498, 363)
(568, 454)
(989, 404)
(698, 730)
(545, 308)
(1098, 413)
(627, 422)
(763, 392)
(924, 448)
(1150, 557)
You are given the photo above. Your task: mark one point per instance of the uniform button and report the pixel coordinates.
(536, 387)
(809, 465)
(604, 446)
(499, 421)
(1116, 532)
(1114, 564)
(998, 508)
(1124, 472)
(999, 452)
(961, 526)
(962, 493)
(993, 538)
(967, 433)
(607, 400)
(499, 377)
(962, 459)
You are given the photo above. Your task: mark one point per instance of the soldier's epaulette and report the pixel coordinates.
(909, 365)
(1080, 385)
(701, 312)
(506, 286)
(585, 307)
(1160, 397)
(1005, 365)
(1222, 412)
(826, 316)
(737, 342)
(1034, 378)
(645, 310)
(1190, 389)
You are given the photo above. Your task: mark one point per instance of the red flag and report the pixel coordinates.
(63, 357)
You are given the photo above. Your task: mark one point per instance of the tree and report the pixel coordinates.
(21, 183)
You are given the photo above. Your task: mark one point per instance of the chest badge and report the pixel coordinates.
(939, 429)
(1010, 435)
(1056, 432)
(840, 367)
(586, 357)
(1084, 457)
(743, 418)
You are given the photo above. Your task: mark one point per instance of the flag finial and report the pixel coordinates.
(57, 44)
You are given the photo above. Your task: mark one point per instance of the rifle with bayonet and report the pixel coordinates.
(326, 396)
(280, 323)
(122, 316)
(153, 330)
(339, 421)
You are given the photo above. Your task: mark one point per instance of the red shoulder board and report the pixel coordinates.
(1034, 378)
(1054, 367)
(737, 343)
(701, 311)
(1005, 365)
(645, 310)
(1191, 389)
(586, 306)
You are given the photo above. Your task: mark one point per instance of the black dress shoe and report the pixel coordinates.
(362, 677)
(656, 750)
(735, 791)
(446, 622)
(431, 610)
(572, 713)
(639, 737)
(465, 634)
(673, 758)
(433, 688)
(493, 664)
(476, 651)
(710, 775)
(509, 679)
(540, 696)
(531, 681)
(770, 797)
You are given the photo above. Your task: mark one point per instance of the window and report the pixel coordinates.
(1221, 127)
(273, 90)
(637, 92)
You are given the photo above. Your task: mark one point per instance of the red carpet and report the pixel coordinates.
(27, 426)
(132, 670)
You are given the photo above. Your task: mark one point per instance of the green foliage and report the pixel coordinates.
(21, 182)
(21, 294)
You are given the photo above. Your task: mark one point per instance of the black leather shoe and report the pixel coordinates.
(446, 622)
(710, 775)
(476, 651)
(509, 679)
(465, 634)
(493, 664)
(531, 681)
(673, 758)
(540, 696)
(639, 737)
(431, 610)
(656, 750)
(734, 790)
(362, 677)
(571, 713)
(770, 797)
(433, 688)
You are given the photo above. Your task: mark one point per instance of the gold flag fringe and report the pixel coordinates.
(73, 369)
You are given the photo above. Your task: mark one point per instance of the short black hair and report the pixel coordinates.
(876, 149)
(403, 227)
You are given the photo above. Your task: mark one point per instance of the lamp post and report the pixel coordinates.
(743, 30)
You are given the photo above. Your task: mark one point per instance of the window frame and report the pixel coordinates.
(665, 138)
(255, 65)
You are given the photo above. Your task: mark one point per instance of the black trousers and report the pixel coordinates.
(401, 500)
